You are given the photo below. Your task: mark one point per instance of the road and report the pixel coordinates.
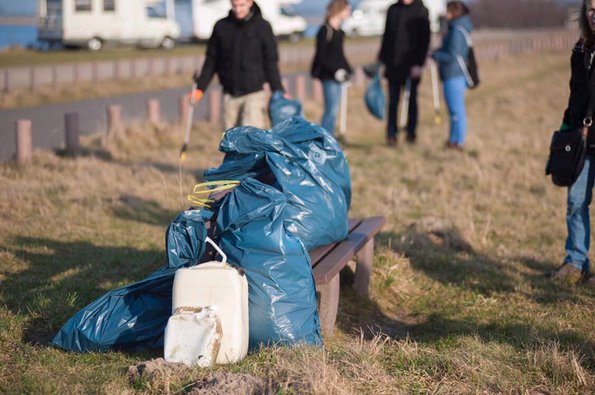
(48, 121)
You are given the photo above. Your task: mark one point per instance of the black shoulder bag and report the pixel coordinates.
(568, 148)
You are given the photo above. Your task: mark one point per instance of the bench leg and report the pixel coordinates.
(363, 270)
(329, 304)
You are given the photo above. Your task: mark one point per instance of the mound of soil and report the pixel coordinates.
(158, 371)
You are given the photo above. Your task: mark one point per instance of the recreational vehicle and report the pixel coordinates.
(198, 17)
(369, 17)
(94, 23)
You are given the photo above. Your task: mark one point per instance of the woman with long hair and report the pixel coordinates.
(455, 48)
(330, 65)
(575, 267)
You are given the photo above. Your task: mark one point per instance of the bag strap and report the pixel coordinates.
(588, 119)
(466, 34)
(461, 62)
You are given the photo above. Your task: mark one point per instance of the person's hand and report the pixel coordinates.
(415, 72)
(195, 96)
(341, 75)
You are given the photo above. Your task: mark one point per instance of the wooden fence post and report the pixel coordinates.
(214, 106)
(300, 87)
(24, 140)
(114, 121)
(317, 89)
(72, 133)
(154, 111)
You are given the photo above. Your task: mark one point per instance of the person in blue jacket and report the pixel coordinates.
(455, 48)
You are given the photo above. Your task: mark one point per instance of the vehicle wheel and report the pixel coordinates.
(295, 37)
(168, 43)
(94, 44)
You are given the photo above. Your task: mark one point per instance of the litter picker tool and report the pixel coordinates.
(404, 118)
(343, 114)
(434, 73)
(189, 118)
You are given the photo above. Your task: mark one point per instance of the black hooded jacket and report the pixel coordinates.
(244, 55)
(581, 64)
(406, 39)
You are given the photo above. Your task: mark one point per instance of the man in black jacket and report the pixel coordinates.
(404, 49)
(243, 52)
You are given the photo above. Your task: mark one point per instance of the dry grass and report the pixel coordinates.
(458, 302)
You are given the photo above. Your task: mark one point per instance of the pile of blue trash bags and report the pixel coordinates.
(293, 196)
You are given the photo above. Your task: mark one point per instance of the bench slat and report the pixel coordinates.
(319, 253)
(332, 264)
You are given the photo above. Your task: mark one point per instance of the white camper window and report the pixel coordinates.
(82, 5)
(109, 5)
(157, 10)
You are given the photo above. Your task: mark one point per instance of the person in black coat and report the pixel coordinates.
(330, 65)
(403, 52)
(575, 267)
(242, 50)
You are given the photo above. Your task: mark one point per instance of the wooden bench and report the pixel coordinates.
(329, 260)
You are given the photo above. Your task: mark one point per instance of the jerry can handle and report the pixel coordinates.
(211, 242)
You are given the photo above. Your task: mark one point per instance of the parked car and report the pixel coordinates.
(94, 23)
(198, 17)
(369, 16)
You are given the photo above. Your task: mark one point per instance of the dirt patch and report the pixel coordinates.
(434, 231)
(221, 383)
(159, 374)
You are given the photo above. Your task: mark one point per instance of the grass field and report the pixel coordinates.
(458, 302)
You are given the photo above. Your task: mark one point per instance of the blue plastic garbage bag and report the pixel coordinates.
(134, 317)
(305, 163)
(282, 296)
(281, 108)
(374, 97)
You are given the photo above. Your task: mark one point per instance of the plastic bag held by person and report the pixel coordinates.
(282, 295)
(305, 163)
(281, 108)
(134, 317)
(374, 97)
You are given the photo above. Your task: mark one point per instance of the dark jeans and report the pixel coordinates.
(394, 93)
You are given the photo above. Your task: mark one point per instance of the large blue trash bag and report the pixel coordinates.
(281, 108)
(302, 160)
(282, 296)
(374, 97)
(134, 317)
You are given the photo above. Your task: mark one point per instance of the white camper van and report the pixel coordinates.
(198, 17)
(369, 17)
(93, 23)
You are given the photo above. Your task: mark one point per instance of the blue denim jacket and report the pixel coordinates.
(454, 44)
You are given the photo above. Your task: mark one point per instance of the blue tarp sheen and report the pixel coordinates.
(134, 317)
(374, 97)
(282, 295)
(305, 163)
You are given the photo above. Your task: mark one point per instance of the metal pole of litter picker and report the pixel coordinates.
(405, 105)
(343, 115)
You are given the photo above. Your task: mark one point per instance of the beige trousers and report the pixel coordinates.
(247, 110)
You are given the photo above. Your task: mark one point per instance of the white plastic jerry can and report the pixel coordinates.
(224, 287)
(193, 337)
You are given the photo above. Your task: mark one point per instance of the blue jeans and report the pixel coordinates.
(394, 95)
(577, 217)
(332, 98)
(454, 95)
